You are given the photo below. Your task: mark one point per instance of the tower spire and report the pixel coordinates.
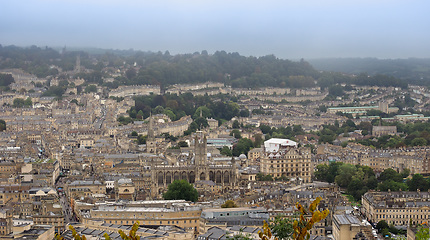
(151, 127)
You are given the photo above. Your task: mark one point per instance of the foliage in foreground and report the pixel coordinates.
(131, 235)
(300, 228)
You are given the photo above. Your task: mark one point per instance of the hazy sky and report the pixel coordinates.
(288, 29)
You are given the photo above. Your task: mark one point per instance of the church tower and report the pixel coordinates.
(200, 157)
(200, 149)
(151, 143)
(78, 64)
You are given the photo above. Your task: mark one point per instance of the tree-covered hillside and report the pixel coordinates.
(413, 69)
(164, 69)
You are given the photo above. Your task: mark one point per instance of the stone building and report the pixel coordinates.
(397, 208)
(345, 226)
(378, 131)
(197, 168)
(282, 157)
(149, 213)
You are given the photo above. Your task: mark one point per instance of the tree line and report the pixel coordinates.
(164, 69)
(357, 179)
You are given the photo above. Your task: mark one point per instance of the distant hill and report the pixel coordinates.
(413, 69)
(164, 69)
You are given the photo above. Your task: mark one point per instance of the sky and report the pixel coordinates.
(288, 29)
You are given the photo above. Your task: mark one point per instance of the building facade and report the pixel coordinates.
(197, 168)
(398, 208)
(282, 158)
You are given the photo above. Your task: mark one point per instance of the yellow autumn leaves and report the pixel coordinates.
(303, 225)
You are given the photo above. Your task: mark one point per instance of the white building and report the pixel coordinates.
(274, 144)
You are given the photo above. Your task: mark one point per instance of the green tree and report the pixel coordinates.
(91, 88)
(226, 151)
(392, 185)
(423, 233)
(2, 125)
(344, 177)
(236, 124)
(142, 139)
(28, 102)
(236, 133)
(181, 189)
(158, 110)
(321, 172)
(419, 142)
(265, 129)
(204, 111)
(417, 182)
(282, 227)
(170, 114)
(134, 134)
(405, 173)
(242, 146)
(201, 122)
(6, 79)
(18, 103)
(390, 174)
(229, 204)
(262, 177)
(240, 236)
(258, 140)
(124, 120)
(381, 225)
(336, 90)
(182, 144)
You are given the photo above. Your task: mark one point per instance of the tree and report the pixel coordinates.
(6, 79)
(282, 227)
(381, 225)
(346, 172)
(203, 111)
(240, 236)
(302, 226)
(182, 144)
(181, 189)
(262, 177)
(226, 151)
(201, 122)
(242, 146)
(18, 103)
(419, 142)
(322, 172)
(229, 204)
(405, 173)
(236, 133)
(423, 233)
(258, 140)
(390, 174)
(236, 124)
(417, 182)
(134, 134)
(28, 102)
(335, 90)
(142, 139)
(265, 129)
(91, 88)
(2, 125)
